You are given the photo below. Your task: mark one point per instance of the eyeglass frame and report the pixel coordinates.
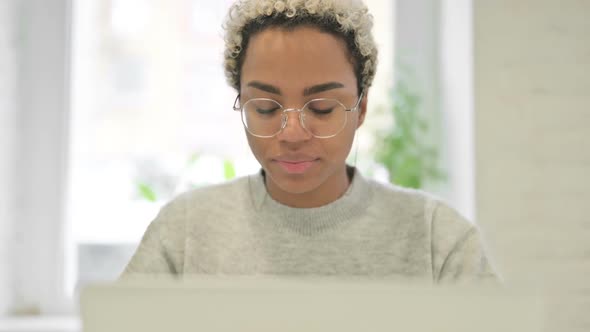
(285, 116)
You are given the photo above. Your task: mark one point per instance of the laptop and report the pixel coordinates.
(260, 304)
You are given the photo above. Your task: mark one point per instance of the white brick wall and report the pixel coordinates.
(7, 131)
(532, 76)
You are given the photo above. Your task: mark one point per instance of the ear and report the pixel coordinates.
(363, 110)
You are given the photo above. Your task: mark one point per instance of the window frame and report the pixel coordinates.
(40, 184)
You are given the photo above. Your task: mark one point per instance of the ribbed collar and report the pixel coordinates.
(309, 221)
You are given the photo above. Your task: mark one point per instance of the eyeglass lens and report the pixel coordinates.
(321, 117)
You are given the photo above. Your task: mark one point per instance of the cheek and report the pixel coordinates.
(258, 146)
(339, 147)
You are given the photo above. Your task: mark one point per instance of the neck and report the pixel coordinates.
(329, 191)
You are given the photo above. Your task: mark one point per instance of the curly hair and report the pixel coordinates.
(349, 20)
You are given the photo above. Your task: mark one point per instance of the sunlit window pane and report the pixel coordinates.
(152, 117)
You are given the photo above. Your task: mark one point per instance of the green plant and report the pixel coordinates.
(402, 149)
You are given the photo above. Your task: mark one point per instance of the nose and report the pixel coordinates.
(293, 129)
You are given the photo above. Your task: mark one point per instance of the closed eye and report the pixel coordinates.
(268, 111)
(321, 111)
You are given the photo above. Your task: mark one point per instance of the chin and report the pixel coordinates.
(294, 183)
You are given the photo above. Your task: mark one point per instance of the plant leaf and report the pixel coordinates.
(229, 170)
(146, 192)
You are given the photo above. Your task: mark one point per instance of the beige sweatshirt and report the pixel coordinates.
(374, 230)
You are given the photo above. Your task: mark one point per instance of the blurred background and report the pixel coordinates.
(109, 108)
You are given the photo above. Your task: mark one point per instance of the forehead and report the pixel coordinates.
(300, 56)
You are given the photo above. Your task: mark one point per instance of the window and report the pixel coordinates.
(149, 95)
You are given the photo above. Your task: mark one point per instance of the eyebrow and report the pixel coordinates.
(265, 87)
(322, 87)
(308, 91)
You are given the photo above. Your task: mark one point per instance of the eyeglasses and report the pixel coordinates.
(323, 117)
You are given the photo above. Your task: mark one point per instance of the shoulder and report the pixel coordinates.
(209, 196)
(448, 223)
(396, 199)
(173, 215)
(420, 206)
(457, 246)
(389, 191)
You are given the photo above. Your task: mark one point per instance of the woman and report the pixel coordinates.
(302, 71)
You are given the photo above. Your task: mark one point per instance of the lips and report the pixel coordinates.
(294, 165)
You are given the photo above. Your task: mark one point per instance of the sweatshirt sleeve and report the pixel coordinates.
(458, 251)
(161, 250)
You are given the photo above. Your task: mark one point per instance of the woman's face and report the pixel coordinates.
(293, 67)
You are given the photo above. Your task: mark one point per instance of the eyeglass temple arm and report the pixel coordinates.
(358, 102)
(236, 107)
